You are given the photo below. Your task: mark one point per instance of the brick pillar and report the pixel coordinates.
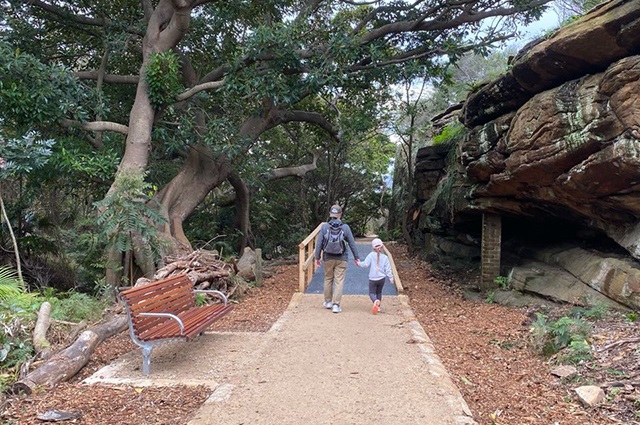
(491, 244)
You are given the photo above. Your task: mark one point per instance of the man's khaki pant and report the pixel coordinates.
(334, 274)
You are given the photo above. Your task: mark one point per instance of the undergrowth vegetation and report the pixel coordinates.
(566, 338)
(18, 315)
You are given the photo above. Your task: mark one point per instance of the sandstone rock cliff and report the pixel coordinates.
(554, 144)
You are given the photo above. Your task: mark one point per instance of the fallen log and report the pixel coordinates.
(64, 364)
(40, 342)
(208, 275)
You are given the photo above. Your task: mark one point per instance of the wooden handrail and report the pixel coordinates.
(396, 276)
(306, 265)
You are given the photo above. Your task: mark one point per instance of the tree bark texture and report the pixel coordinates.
(243, 199)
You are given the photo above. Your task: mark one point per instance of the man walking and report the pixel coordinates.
(332, 240)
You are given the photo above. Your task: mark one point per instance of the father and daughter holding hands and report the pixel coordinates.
(333, 239)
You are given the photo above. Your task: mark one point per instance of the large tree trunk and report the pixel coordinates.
(167, 25)
(243, 200)
(200, 174)
(65, 364)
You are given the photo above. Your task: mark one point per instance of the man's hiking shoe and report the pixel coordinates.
(336, 308)
(327, 304)
(376, 307)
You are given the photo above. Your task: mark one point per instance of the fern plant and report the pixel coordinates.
(128, 215)
(13, 290)
(15, 313)
(568, 335)
(10, 286)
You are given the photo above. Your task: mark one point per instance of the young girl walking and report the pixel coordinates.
(379, 270)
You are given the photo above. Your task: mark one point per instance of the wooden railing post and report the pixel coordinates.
(301, 276)
(306, 266)
(396, 276)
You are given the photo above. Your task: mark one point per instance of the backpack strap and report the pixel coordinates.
(325, 234)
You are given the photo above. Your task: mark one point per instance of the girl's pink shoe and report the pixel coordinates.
(376, 307)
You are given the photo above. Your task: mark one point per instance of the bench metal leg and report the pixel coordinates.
(146, 359)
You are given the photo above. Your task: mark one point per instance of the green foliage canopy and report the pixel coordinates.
(32, 92)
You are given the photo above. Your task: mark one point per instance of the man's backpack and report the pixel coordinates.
(334, 240)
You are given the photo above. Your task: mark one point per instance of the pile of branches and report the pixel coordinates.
(205, 269)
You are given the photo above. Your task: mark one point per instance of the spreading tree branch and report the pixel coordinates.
(312, 118)
(441, 21)
(108, 78)
(299, 171)
(197, 89)
(66, 15)
(96, 126)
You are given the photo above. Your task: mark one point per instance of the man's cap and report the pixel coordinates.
(376, 242)
(335, 211)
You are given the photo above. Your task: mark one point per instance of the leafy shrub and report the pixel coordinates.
(577, 352)
(490, 298)
(75, 307)
(162, 76)
(595, 312)
(201, 299)
(389, 235)
(567, 333)
(16, 317)
(15, 340)
(31, 91)
(503, 282)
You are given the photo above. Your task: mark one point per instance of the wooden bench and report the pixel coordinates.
(165, 311)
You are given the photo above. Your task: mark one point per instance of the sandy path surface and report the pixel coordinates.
(312, 367)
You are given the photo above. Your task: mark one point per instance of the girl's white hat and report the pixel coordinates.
(376, 242)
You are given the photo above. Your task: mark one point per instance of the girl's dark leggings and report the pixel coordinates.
(375, 289)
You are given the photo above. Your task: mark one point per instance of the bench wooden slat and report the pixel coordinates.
(194, 317)
(147, 300)
(195, 321)
(169, 302)
(171, 296)
(150, 287)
